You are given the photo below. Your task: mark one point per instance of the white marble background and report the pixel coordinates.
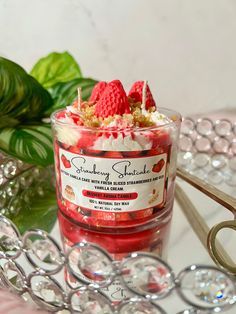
(185, 48)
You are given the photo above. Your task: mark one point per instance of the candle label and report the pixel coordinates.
(114, 183)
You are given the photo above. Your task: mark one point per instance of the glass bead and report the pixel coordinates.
(10, 168)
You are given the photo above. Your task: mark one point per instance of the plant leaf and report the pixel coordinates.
(64, 94)
(40, 211)
(54, 68)
(29, 143)
(21, 96)
(41, 215)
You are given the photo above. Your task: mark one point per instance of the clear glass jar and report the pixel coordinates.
(115, 187)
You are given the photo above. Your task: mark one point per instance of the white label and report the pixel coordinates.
(113, 184)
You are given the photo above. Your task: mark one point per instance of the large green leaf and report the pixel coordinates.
(37, 206)
(56, 68)
(64, 94)
(30, 143)
(21, 96)
(42, 214)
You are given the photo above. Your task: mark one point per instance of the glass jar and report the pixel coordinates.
(115, 187)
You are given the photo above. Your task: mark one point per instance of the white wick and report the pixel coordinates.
(79, 98)
(144, 94)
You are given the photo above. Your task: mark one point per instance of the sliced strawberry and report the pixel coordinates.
(86, 139)
(97, 91)
(76, 118)
(113, 154)
(65, 161)
(61, 114)
(67, 164)
(162, 138)
(136, 93)
(75, 149)
(113, 101)
(158, 166)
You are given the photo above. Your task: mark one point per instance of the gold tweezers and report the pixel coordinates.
(208, 236)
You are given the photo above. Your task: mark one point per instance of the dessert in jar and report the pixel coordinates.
(115, 159)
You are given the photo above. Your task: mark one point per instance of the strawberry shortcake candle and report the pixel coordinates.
(115, 158)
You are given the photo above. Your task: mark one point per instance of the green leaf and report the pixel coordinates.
(64, 94)
(42, 215)
(40, 211)
(56, 68)
(29, 143)
(21, 96)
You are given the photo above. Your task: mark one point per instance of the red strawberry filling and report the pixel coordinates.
(114, 243)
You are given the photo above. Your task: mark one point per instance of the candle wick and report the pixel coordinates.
(79, 98)
(144, 94)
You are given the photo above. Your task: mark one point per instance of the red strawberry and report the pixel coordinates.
(136, 93)
(76, 118)
(113, 101)
(157, 167)
(61, 115)
(65, 162)
(86, 139)
(74, 149)
(97, 91)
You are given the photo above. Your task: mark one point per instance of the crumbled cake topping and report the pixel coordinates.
(109, 107)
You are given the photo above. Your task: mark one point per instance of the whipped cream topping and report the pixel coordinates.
(120, 123)
(66, 134)
(156, 117)
(72, 109)
(123, 142)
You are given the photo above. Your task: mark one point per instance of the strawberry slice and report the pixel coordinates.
(65, 161)
(86, 139)
(76, 118)
(113, 154)
(113, 101)
(97, 91)
(136, 93)
(158, 166)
